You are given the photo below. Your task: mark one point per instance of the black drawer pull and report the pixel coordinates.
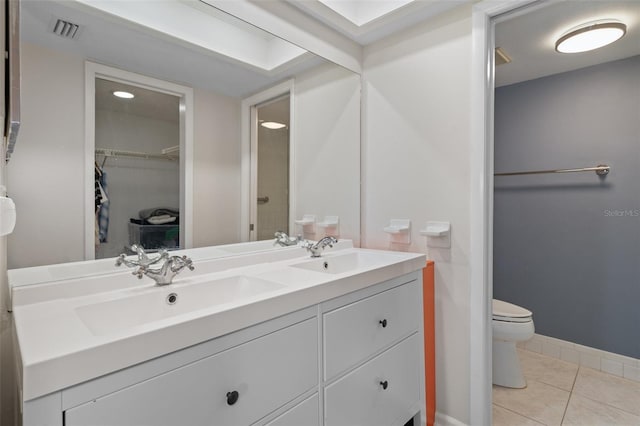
(384, 385)
(232, 397)
(383, 323)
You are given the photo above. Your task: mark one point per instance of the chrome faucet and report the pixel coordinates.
(143, 259)
(316, 249)
(284, 240)
(171, 265)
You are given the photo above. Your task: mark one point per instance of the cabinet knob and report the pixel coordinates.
(384, 385)
(383, 323)
(232, 397)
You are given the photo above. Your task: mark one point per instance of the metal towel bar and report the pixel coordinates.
(601, 170)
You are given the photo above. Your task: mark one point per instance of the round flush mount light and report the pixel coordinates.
(590, 36)
(123, 95)
(272, 125)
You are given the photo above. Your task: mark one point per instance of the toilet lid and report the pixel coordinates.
(505, 311)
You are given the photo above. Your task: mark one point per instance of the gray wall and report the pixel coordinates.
(567, 247)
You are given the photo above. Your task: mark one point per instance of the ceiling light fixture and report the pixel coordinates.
(123, 95)
(590, 36)
(272, 125)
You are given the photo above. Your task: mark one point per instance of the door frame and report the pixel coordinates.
(249, 154)
(186, 110)
(483, 19)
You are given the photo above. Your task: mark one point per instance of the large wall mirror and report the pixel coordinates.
(223, 62)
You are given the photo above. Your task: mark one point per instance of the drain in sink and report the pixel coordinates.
(172, 298)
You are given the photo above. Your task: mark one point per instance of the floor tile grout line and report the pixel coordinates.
(580, 369)
(520, 414)
(542, 383)
(608, 405)
(568, 392)
(578, 364)
(573, 385)
(577, 367)
(552, 385)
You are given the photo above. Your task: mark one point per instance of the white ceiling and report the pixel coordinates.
(198, 24)
(112, 40)
(528, 35)
(146, 103)
(366, 21)
(529, 38)
(360, 12)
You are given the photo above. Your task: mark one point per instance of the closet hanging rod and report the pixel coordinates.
(120, 153)
(600, 169)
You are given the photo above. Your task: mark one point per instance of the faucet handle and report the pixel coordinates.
(139, 272)
(185, 262)
(120, 259)
(188, 263)
(142, 255)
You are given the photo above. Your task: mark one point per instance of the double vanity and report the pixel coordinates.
(260, 335)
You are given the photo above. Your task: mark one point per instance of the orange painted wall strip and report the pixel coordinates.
(428, 300)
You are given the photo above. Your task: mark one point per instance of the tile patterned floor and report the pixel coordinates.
(562, 393)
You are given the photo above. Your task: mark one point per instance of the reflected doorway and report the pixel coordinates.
(137, 173)
(146, 149)
(273, 160)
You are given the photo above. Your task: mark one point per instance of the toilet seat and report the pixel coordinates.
(508, 312)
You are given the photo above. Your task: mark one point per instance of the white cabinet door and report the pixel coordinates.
(381, 392)
(356, 331)
(266, 373)
(307, 413)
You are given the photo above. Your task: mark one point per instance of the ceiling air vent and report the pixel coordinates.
(66, 29)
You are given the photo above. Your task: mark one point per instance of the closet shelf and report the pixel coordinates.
(172, 150)
(168, 155)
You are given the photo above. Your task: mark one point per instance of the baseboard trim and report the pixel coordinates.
(608, 362)
(444, 420)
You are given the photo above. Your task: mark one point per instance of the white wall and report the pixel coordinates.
(216, 170)
(47, 170)
(416, 132)
(327, 149)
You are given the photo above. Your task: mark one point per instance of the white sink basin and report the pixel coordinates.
(344, 262)
(169, 301)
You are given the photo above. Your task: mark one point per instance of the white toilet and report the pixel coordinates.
(511, 324)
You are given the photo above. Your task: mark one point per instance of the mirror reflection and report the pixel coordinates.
(52, 171)
(273, 168)
(137, 181)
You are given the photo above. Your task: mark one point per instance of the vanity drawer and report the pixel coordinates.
(360, 397)
(358, 330)
(304, 414)
(266, 373)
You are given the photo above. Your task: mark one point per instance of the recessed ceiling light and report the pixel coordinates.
(123, 95)
(590, 36)
(272, 125)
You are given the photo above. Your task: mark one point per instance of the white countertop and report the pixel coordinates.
(58, 349)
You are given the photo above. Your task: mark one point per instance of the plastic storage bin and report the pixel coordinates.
(154, 237)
